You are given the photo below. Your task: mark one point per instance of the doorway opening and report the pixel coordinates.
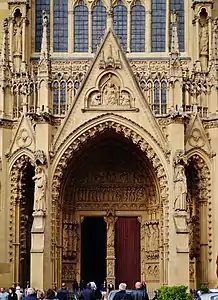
(26, 222)
(93, 250)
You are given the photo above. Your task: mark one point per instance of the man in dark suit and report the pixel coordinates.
(139, 293)
(63, 293)
(122, 294)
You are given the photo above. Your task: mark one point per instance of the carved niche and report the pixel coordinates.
(110, 94)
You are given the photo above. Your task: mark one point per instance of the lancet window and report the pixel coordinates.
(81, 28)
(60, 39)
(158, 36)
(120, 23)
(98, 24)
(138, 28)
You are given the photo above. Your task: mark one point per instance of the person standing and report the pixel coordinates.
(139, 293)
(122, 294)
(3, 294)
(12, 294)
(88, 293)
(63, 293)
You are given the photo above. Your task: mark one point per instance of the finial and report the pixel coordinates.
(175, 53)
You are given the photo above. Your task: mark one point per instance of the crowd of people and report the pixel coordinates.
(79, 292)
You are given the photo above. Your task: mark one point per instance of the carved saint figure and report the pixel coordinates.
(65, 240)
(74, 238)
(125, 98)
(204, 37)
(180, 188)
(110, 232)
(110, 94)
(40, 189)
(18, 36)
(96, 99)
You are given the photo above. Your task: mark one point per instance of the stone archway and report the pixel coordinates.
(199, 219)
(71, 152)
(21, 219)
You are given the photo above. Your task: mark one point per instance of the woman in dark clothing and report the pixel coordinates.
(12, 295)
(50, 294)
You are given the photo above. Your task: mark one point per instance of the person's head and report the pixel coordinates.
(30, 291)
(138, 285)
(40, 295)
(50, 294)
(18, 288)
(64, 286)
(11, 290)
(122, 286)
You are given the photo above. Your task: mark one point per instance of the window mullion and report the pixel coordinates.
(128, 28)
(90, 29)
(51, 21)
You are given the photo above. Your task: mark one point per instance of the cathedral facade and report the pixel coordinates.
(109, 142)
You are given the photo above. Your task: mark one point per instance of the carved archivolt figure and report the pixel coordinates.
(180, 188)
(40, 189)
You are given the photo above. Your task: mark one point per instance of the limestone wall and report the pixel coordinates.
(4, 12)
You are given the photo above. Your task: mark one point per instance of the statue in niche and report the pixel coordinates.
(110, 269)
(110, 231)
(40, 189)
(204, 34)
(156, 237)
(65, 239)
(74, 238)
(17, 33)
(125, 99)
(180, 189)
(110, 96)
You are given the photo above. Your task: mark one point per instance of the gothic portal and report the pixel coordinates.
(108, 142)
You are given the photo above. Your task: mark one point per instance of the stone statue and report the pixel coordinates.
(40, 189)
(110, 94)
(204, 38)
(18, 36)
(65, 239)
(110, 232)
(180, 188)
(96, 99)
(74, 238)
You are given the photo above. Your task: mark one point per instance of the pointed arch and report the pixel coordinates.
(20, 221)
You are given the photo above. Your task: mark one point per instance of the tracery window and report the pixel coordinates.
(158, 36)
(81, 28)
(40, 6)
(138, 28)
(178, 6)
(120, 23)
(98, 24)
(159, 105)
(60, 25)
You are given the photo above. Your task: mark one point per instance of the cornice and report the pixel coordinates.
(5, 123)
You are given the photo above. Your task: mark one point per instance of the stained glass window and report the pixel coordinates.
(178, 6)
(138, 28)
(120, 23)
(81, 28)
(98, 24)
(158, 36)
(40, 6)
(60, 25)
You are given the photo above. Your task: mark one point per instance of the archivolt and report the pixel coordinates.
(79, 140)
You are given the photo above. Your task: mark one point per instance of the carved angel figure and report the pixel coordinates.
(40, 189)
(180, 189)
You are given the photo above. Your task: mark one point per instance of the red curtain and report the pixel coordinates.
(127, 237)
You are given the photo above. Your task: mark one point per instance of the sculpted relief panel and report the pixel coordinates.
(110, 95)
(113, 178)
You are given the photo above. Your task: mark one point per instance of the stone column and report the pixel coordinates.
(37, 250)
(110, 259)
